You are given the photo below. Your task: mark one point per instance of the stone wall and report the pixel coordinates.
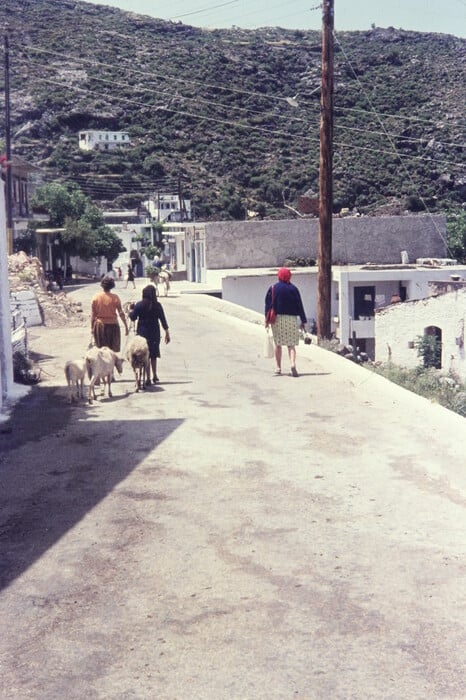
(397, 328)
(355, 240)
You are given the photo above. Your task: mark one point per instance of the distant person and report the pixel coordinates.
(111, 273)
(59, 277)
(149, 314)
(130, 277)
(105, 309)
(285, 299)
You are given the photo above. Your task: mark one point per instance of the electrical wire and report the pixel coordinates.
(251, 127)
(217, 87)
(263, 96)
(395, 150)
(206, 9)
(279, 115)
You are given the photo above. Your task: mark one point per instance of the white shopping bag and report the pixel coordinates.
(269, 348)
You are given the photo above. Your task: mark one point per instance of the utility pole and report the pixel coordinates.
(324, 281)
(9, 179)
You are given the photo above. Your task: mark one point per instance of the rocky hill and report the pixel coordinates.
(208, 109)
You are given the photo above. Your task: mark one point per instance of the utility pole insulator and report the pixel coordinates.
(324, 283)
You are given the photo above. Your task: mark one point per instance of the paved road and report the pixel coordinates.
(228, 534)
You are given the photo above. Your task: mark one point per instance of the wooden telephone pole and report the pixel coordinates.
(324, 281)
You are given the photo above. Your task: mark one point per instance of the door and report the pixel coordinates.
(364, 302)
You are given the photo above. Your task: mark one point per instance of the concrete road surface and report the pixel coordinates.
(229, 534)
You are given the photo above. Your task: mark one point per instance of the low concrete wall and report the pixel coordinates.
(355, 240)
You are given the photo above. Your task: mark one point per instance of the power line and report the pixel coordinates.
(249, 111)
(250, 127)
(217, 87)
(206, 9)
(395, 150)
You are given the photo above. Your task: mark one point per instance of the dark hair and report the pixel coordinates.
(107, 283)
(149, 295)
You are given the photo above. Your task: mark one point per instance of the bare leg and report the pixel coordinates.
(292, 356)
(278, 358)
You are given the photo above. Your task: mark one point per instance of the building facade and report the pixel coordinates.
(400, 329)
(93, 139)
(168, 208)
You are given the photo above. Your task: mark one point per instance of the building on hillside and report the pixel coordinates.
(94, 140)
(168, 208)
(439, 317)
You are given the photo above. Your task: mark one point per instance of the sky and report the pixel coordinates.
(444, 16)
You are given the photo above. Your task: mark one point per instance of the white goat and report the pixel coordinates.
(101, 363)
(75, 371)
(137, 353)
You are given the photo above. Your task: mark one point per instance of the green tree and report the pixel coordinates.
(60, 201)
(85, 233)
(456, 232)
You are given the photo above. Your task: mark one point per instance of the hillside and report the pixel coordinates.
(209, 108)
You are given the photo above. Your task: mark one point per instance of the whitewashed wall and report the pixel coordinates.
(399, 325)
(6, 356)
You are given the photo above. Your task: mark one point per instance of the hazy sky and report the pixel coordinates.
(446, 16)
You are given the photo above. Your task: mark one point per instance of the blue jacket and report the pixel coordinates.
(286, 300)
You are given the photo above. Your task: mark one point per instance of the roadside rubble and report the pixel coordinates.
(56, 309)
(33, 303)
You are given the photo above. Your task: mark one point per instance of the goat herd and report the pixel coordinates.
(99, 364)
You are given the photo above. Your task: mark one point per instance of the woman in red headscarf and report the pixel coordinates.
(284, 298)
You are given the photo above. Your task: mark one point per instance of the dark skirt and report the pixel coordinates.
(154, 347)
(108, 335)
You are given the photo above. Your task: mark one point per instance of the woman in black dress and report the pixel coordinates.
(130, 277)
(149, 314)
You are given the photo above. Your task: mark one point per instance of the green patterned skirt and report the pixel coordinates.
(285, 331)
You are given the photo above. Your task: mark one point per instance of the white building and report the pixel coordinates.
(358, 292)
(239, 260)
(103, 140)
(442, 316)
(168, 208)
(134, 228)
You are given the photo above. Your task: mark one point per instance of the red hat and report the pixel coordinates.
(284, 274)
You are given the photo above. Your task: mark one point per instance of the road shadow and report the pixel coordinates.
(57, 462)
